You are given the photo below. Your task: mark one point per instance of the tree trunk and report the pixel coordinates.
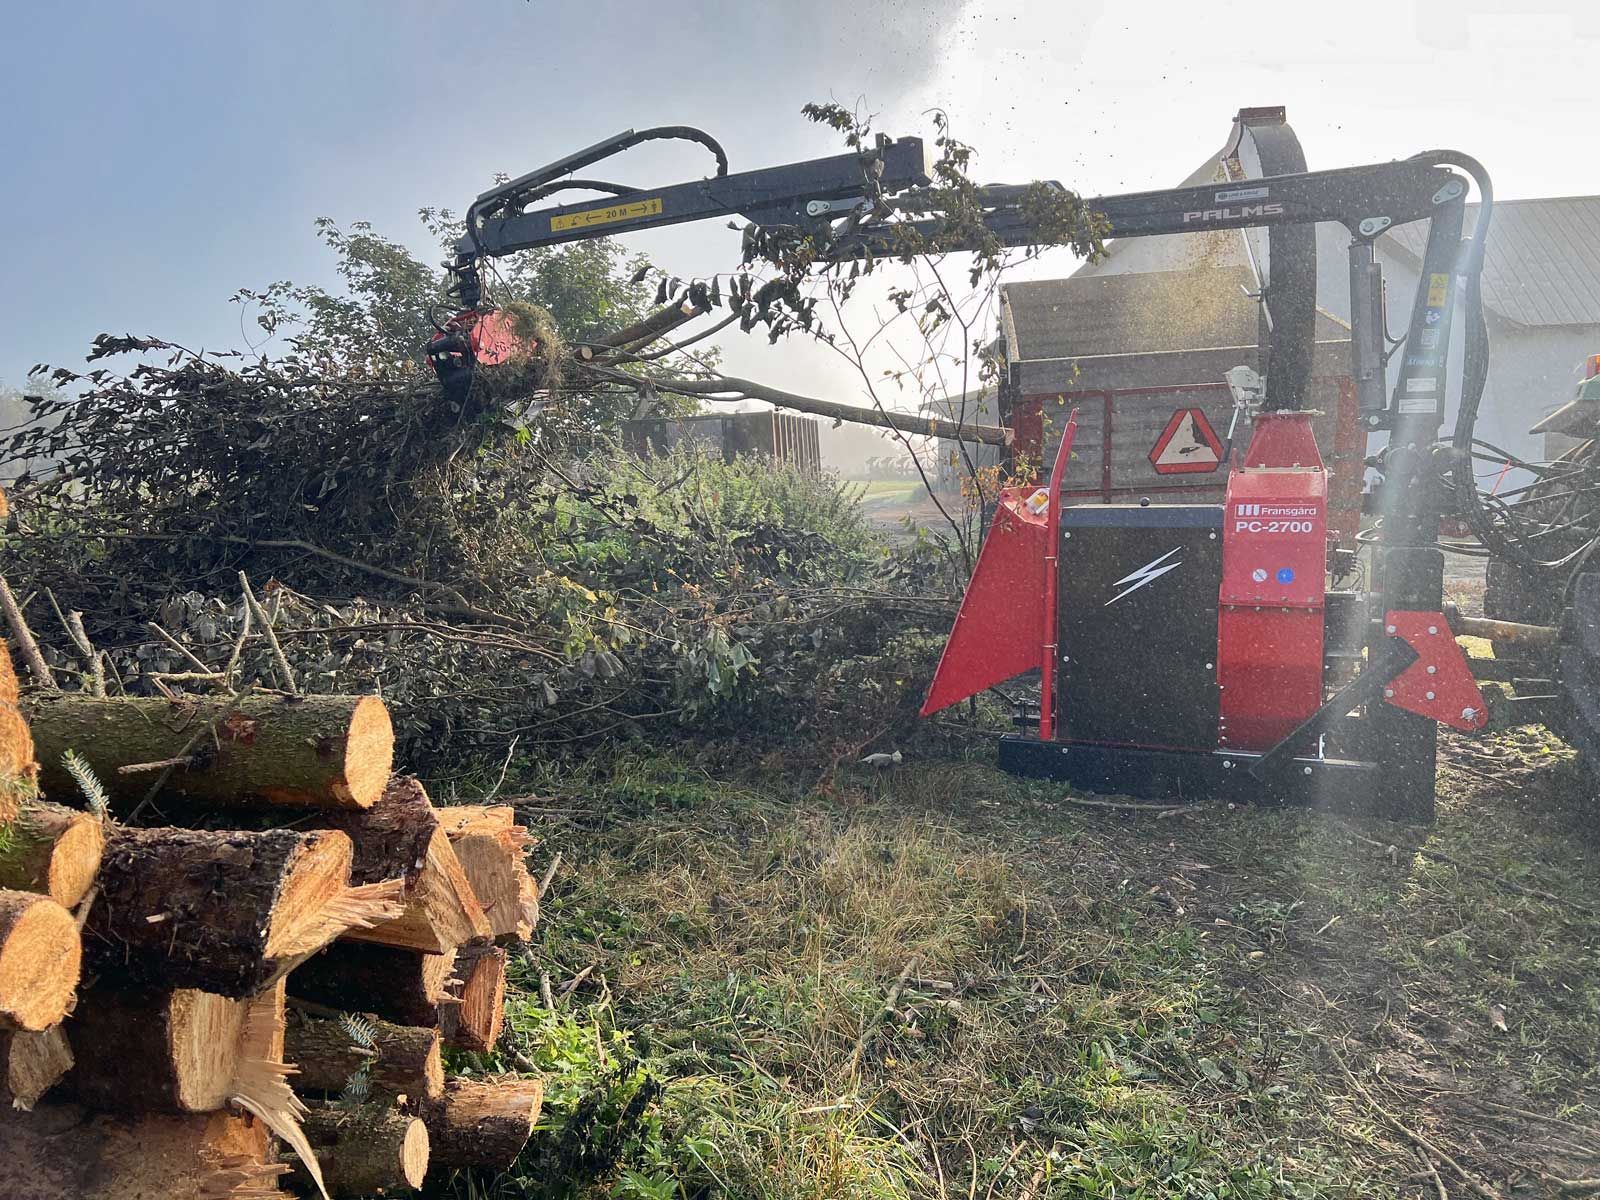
(404, 1060)
(40, 957)
(479, 984)
(391, 838)
(52, 850)
(368, 1150)
(492, 849)
(294, 751)
(153, 1050)
(441, 910)
(482, 1124)
(398, 985)
(225, 912)
(64, 1152)
(31, 1064)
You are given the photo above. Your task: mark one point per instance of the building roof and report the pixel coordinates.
(1542, 263)
(1086, 316)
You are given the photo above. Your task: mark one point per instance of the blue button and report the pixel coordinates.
(1285, 574)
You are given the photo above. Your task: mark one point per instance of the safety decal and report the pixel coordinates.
(1188, 445)
(606, 215)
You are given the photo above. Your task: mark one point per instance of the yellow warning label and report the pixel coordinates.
(1438, 289)
(605, 216)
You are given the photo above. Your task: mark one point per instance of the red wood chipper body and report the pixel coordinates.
(1195, 649)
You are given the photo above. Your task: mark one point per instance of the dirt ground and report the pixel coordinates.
(942, 981)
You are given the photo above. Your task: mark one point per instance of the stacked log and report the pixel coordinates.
(263, 904)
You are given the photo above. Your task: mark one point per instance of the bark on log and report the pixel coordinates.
(482, 1124)
(224, 912)
(371, 1150)
(479, 984)
(31, 1064)
(404, 1060)
(492, 849)
(65, 1152)
(293, 751)
(51, 850)
(391, 838)
(152, 1050)
(441, 912)
(398, 985)
(40, 957)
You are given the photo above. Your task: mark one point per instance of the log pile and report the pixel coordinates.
(234, 947)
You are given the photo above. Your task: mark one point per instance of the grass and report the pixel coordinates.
(1086, 1003)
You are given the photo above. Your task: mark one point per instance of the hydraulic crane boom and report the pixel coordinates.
(867, 203)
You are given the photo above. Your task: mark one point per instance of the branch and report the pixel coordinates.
(279, 661)
(715, 390)
(25, 643)
(658, 323)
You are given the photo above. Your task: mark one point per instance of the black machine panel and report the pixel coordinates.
(1137, 624)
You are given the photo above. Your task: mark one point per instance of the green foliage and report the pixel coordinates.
(94, 792)
(382, 319)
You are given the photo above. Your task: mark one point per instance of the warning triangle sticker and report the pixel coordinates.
(1187, 445)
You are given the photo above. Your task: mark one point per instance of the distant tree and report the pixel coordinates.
(385, 314)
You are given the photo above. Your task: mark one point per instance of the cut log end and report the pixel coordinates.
(205, 1049)
(75, 861)
(52, 850)
(368, 753)
(414, 1153)
(315, 880)
(40, 958)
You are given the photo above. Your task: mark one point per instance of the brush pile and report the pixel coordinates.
(225, 924)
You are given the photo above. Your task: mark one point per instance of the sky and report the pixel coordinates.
(160, 155)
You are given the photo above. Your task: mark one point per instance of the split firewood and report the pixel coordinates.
(368, 1150)
(32, 1063)
(399, 985)
(391, 838)
(441, 910)
(482, 1124)
(66, 1152)
(51, 850)
(479, 984)
(40, 957)
(396, 1060)
(224, 912)
(287, 751)
(493, 850)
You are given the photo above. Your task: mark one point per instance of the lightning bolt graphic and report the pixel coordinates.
(1150, 571)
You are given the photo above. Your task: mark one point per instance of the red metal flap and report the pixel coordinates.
(1000, 626)
(1440, 683)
